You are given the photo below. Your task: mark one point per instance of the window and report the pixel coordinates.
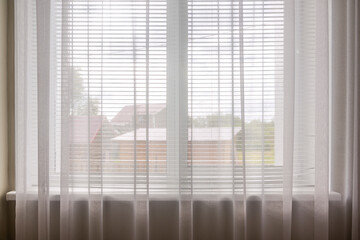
(147, 95)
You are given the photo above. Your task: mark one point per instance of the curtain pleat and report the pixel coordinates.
(44, 67)
(187, 119)
(321, 204)
(289, 115)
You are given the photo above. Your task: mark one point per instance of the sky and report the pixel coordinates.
(108, 43)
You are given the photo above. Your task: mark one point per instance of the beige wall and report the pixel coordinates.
(7, 153)
(11, 117)
(11, 93)
(3, 120)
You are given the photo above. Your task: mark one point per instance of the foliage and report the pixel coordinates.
(215, 120)
(259, 135)
(82, 103)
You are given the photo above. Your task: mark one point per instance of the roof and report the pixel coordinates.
(198, 134)
(126, 113)
(82, 132)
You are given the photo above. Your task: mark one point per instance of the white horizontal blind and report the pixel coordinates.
(115, 83)
(26, 95)
(305, 85)
(113, 107)
(236, 86)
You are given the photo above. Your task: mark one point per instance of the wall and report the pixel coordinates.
(11, 116)
(3, 120)
(7, 211)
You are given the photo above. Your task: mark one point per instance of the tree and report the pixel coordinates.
(81, 102)
(258, 135)
(215, 120)
(254, 132)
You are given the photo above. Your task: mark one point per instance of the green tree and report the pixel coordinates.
(254, 132)
(81, 102)
(216, 120)
(259, 135)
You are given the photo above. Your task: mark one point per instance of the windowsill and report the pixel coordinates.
(301, 196)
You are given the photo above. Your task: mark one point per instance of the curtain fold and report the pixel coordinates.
(187, 119)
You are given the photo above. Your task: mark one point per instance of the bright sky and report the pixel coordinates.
(108, 47)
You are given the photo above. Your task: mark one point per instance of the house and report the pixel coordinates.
(206, 146)
(124, 120)
(90, 142)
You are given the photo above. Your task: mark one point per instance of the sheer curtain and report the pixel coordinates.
(187, 119)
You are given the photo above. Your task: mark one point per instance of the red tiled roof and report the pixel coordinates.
(82, 133)
(126, 113)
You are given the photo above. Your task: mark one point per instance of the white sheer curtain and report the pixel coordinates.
(187, 119)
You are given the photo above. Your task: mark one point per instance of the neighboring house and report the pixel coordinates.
(90, 142)
(206, 147)
(124, 120)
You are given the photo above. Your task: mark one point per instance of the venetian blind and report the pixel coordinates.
(156, 96)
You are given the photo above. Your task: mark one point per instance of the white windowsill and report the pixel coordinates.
(303, 196)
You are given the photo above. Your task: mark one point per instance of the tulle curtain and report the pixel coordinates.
(187, 119)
